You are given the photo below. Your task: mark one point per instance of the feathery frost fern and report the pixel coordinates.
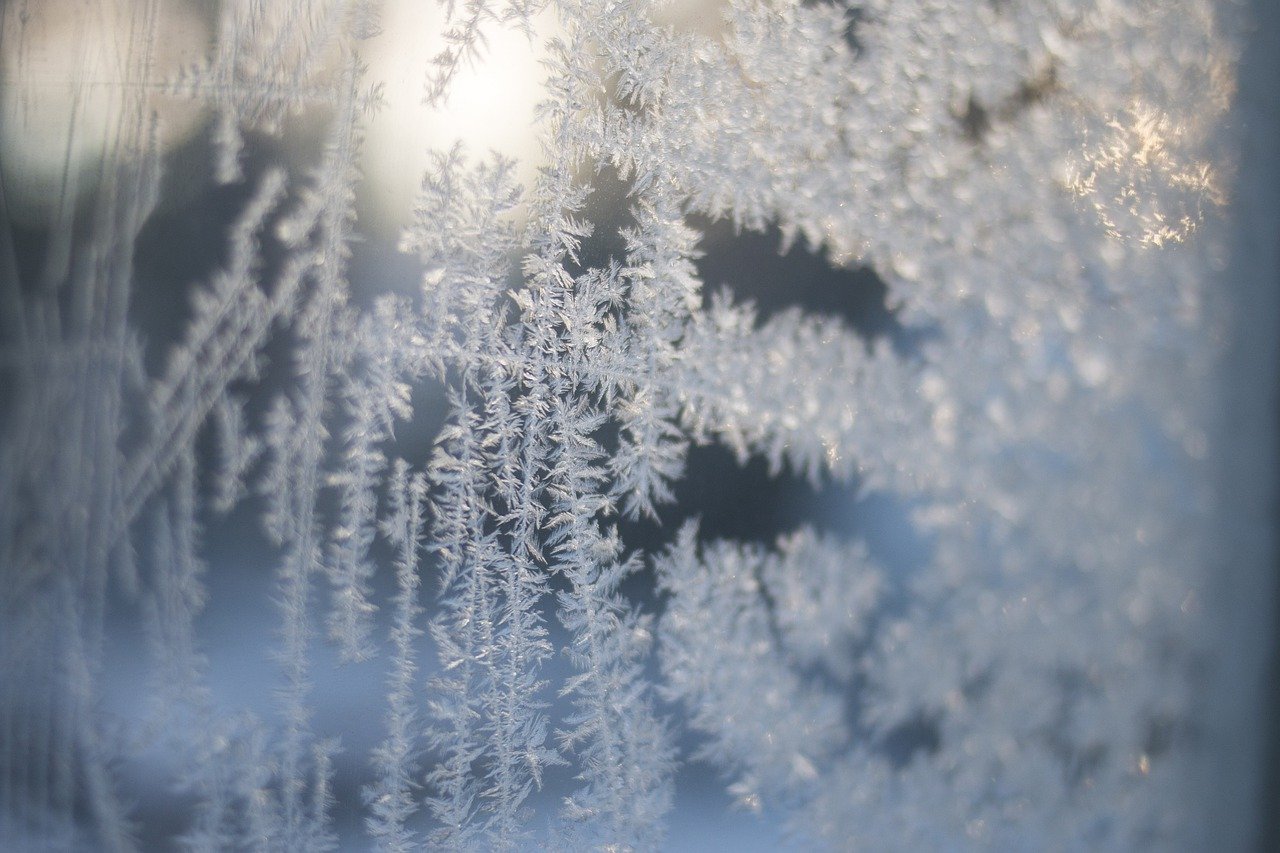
(1036, 183)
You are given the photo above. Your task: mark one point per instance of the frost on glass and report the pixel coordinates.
(1040, 186)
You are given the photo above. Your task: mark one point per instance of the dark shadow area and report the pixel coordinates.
(746, 502)
(749, 264)
(164, 279)
(906, 740)
(608, 208)
(853, 18)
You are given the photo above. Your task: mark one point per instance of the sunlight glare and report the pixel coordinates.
(490, 106)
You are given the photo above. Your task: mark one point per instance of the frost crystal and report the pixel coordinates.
(1039, 185)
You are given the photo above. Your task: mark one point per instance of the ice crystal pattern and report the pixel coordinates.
(1032, 680)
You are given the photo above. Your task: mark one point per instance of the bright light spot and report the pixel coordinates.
(490, 105)
(1146, 180)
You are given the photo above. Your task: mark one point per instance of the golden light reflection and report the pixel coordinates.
(1145, 180)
